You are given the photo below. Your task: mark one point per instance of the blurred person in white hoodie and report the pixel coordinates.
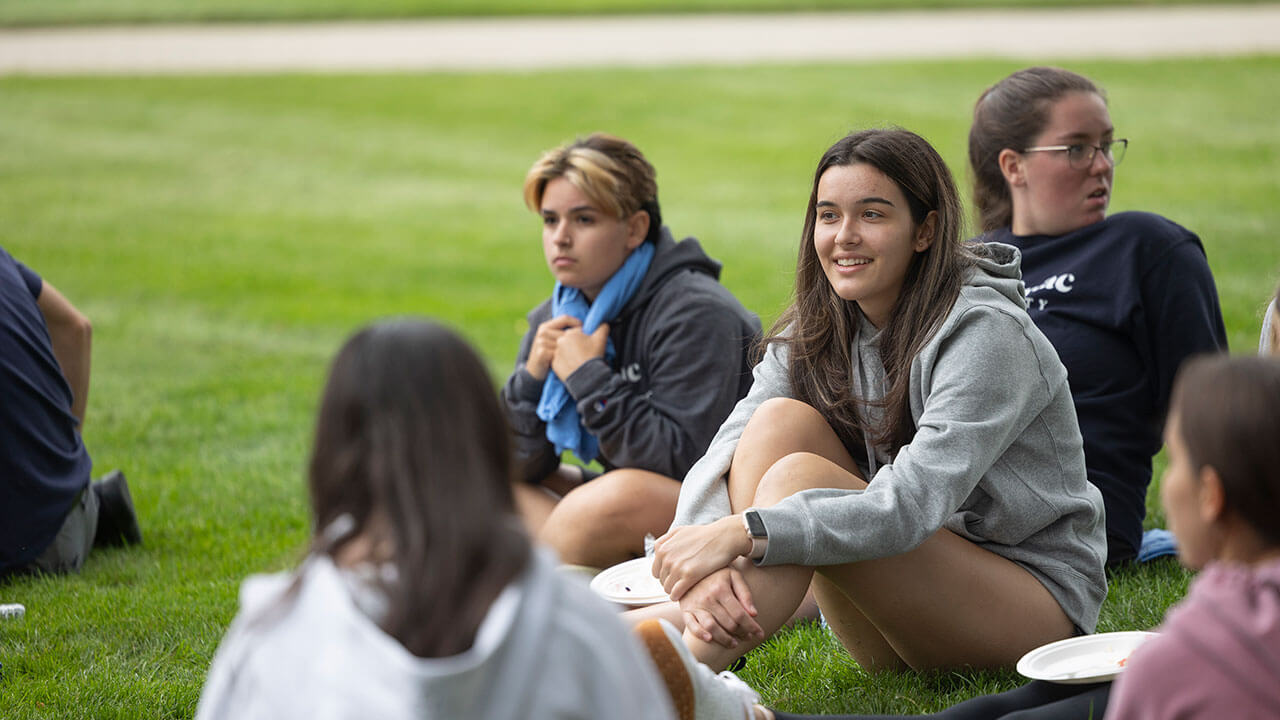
(421, 595)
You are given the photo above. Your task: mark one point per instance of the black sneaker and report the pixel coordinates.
(117, 521)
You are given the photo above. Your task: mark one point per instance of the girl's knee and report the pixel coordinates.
(630, 490)
(782, 426)
(618, 498)
(784, 415)
(799, 471)
(603, 521)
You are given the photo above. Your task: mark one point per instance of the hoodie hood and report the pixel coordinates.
(669, 259)
(303, 647)
(999, 269)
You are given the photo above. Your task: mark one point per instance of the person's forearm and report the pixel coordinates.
(72, 347)
(71, 335)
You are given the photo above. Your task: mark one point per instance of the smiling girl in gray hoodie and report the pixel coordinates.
(909, 445)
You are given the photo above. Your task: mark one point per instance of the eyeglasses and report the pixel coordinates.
(1080, 156)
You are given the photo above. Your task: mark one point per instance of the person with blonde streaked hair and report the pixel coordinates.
(633, 361)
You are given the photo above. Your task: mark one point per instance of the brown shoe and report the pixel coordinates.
(696, 692)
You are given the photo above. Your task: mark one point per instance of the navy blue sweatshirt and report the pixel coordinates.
(1124, 301)
(43, 464)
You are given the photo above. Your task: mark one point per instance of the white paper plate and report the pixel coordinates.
(1084, 659)
(630, 583)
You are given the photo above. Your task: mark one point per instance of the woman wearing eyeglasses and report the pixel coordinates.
(1124, 299)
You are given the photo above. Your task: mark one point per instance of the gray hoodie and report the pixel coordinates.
(997, 457)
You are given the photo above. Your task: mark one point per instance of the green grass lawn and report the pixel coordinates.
(226, 234)
(59, 12)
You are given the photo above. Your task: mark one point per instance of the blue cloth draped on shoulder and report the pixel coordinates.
(556, 407)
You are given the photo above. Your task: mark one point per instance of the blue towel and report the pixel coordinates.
(1157, 543)
(556, 407)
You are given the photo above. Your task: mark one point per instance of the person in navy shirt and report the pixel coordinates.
(50, 513)
(1124, 299)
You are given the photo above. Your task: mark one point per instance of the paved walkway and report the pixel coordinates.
(532, 43)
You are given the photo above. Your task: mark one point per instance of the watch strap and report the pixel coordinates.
(756, 531)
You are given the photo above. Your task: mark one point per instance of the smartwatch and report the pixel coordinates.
(755, 530)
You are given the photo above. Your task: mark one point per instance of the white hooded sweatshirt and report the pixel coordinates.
(548, 648)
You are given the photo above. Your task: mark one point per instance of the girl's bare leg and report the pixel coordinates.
(778, 429)
(668, 611)
(603, 522)
(858, 634)
(534, 504)
(947, 603)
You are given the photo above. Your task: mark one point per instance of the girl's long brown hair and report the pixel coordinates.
(412, 446)
(818, 327)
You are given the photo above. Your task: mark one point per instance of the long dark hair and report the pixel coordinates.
(818, 327)
(1010, 114)
(1226, 407)
(412, 447)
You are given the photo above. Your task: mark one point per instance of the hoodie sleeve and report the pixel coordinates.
(693, 345)
(704, 496)
(981, 386)
(535, 457)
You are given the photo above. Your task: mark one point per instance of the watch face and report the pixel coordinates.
(755, 525)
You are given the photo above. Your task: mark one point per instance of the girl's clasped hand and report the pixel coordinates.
(696, 565)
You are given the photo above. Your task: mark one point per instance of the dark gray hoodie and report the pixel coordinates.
(997, 456)
(682, 345)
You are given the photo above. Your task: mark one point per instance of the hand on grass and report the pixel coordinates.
(719, 609)
(685, 555)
